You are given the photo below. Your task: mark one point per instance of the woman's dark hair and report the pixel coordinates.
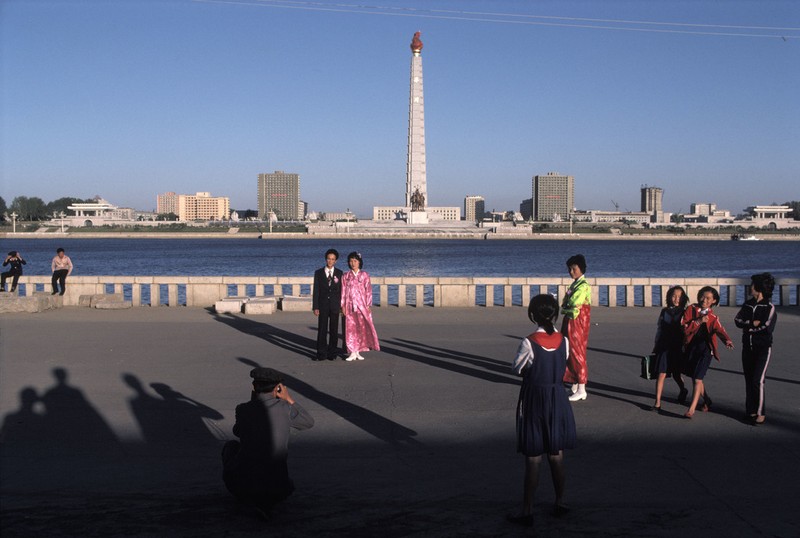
(671, 292)
(763, 283)
(356, 256)
(713, 291)
(543, 310)
(578, 260)
(59, 250)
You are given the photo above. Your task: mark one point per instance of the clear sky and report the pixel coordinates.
(127, 99)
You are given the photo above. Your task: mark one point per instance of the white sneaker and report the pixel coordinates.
(359, 357)
(352, 357)
(580, 393)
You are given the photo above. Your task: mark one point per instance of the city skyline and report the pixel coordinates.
(122, 98)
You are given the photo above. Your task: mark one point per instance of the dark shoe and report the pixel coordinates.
(560, 510)
(655, 408)
(707, 401)
(331, 357)
(682, 395)
(54, 293)
(62, 293)
(526, 520)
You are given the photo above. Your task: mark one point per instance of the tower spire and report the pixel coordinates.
(415, 165)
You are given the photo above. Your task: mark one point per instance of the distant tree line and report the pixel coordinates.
(34, 208)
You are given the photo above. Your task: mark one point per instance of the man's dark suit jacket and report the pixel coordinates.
(327, 298)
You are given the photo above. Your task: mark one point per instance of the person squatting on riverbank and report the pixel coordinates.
(668, 347)
(700, 329)
(15, 260)
(576, 309)
(326, 303)
(359, 331)
(62, 268)
(545, 423)
(254, 468)
(757, 319)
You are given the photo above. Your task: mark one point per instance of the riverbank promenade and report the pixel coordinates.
(113, 422)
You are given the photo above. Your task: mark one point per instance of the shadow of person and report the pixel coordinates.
(289, 341)
(457, 367)
(70, 420)
(374, 424)
(192, 421)
(24, 427)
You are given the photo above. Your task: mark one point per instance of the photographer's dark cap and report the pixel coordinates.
(266, 375)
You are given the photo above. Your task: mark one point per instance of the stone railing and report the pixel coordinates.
(204, 291)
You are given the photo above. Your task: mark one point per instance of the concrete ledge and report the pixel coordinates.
(296, 303)
(34, 303)
(260, 306)
(92, 299)
(230, 305)
(106, 304)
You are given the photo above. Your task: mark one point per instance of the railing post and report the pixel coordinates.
(401, 295)
(172, 294)
(383, 293)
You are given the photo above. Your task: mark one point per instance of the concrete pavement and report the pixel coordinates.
(113, 422)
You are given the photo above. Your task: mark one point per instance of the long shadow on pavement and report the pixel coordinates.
(376, 425)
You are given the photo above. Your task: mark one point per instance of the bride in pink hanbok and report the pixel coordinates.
(359, 332)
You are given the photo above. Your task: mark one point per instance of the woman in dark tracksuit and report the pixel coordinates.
(757, 320)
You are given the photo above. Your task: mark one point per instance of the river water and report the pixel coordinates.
(392, 257)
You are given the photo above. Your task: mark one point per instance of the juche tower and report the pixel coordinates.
(415, 166)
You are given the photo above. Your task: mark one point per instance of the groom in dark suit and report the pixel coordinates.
(327, 305)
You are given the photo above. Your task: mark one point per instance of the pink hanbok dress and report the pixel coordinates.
(359, 332)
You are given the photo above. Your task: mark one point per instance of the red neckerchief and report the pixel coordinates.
(548, 341)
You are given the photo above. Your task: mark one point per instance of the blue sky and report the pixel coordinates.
(126, 99)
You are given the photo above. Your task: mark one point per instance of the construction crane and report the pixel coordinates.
(616, 205)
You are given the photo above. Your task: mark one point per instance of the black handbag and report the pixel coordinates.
(649, 366)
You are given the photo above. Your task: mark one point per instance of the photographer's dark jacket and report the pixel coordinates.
(16, 265)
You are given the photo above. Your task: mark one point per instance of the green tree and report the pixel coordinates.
(32, 208)
(795, 205)
(3, 209)
(166, 216)
(56, 206)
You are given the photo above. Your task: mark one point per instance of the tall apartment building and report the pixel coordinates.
(167, 203)
(474, 208)
(279, 192)
(191, 207)
(553, 196)
(652, 202)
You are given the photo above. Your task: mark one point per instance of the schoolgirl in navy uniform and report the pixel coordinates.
(668, 347)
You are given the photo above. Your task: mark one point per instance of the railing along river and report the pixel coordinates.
(204, 291)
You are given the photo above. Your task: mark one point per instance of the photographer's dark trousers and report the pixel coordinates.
(59, 277)
(5, 276)
(258, 487)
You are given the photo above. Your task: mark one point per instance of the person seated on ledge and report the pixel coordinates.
(254, 468)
